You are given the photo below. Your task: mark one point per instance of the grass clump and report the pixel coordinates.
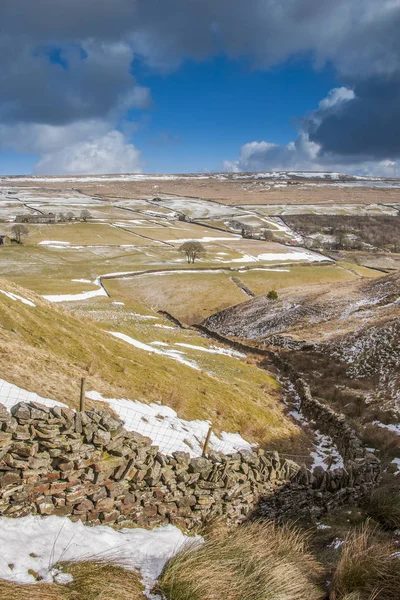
(384, 504)
(92, 580)
(258, 561)
(368, 568)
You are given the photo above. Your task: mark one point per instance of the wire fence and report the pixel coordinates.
(170, 433)
(11, 394)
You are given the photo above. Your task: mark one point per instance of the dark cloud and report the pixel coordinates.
(366, 127)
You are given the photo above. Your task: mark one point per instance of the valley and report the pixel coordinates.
(281, 337)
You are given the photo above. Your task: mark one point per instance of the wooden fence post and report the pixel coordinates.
(207, 441)
(82, 397)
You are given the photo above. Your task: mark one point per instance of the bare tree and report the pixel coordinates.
(19, 232)
(192, 250)
(61, 218)
(85, 215)
(70, 216)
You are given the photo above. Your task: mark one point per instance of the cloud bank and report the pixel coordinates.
(68, 64)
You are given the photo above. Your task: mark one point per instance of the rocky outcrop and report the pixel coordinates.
(85, 465)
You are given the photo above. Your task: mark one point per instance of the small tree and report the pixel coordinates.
(268, 235)
(272, 295)
(19, 232)
(85, 215)
(192, 250)
(70, 216)
(61, 218)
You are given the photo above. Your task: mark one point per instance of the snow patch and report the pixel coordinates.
(10, 395)
(213, 350)
(53, 243)
(75, 297)
(163, 426)
(18, 298)
(174, 354)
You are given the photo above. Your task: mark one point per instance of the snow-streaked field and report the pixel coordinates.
(325, 209)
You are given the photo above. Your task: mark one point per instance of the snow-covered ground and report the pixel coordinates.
(168, 431)
(325, 452)
(77, 297)
(38, 544)
(294, 255)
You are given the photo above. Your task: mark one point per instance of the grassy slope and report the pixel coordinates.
(47, 349)
(260, 282)
(190, 297)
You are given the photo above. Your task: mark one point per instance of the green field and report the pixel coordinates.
(191, 297)
(81, 234)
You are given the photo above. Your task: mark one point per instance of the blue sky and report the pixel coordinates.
(199, 85)
(204, 112)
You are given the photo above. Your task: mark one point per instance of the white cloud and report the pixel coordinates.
(108, 153)
(303, 154)
(336, 97)
(91, 146)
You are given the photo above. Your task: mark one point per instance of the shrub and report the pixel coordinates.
(367, 569)
(272, 295)
(257, 561)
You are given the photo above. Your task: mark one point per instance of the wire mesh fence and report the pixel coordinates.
(11, 394)
(170, 433)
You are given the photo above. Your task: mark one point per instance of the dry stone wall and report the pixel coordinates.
(85, 465)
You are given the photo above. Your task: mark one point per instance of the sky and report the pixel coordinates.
(175, 86)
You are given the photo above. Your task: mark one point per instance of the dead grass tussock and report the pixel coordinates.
(367, 569)
(258, 561)
(92, 580)
(41, 591)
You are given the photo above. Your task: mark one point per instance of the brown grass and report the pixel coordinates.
(384, 503)
(258, 561)
(47, 349)
(366, 570)
(93, 580)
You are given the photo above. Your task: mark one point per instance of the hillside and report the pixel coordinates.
(46, 349)
(314, 313)
(345, 342)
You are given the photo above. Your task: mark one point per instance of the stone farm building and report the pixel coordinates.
(4, 240)
(47, 218)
